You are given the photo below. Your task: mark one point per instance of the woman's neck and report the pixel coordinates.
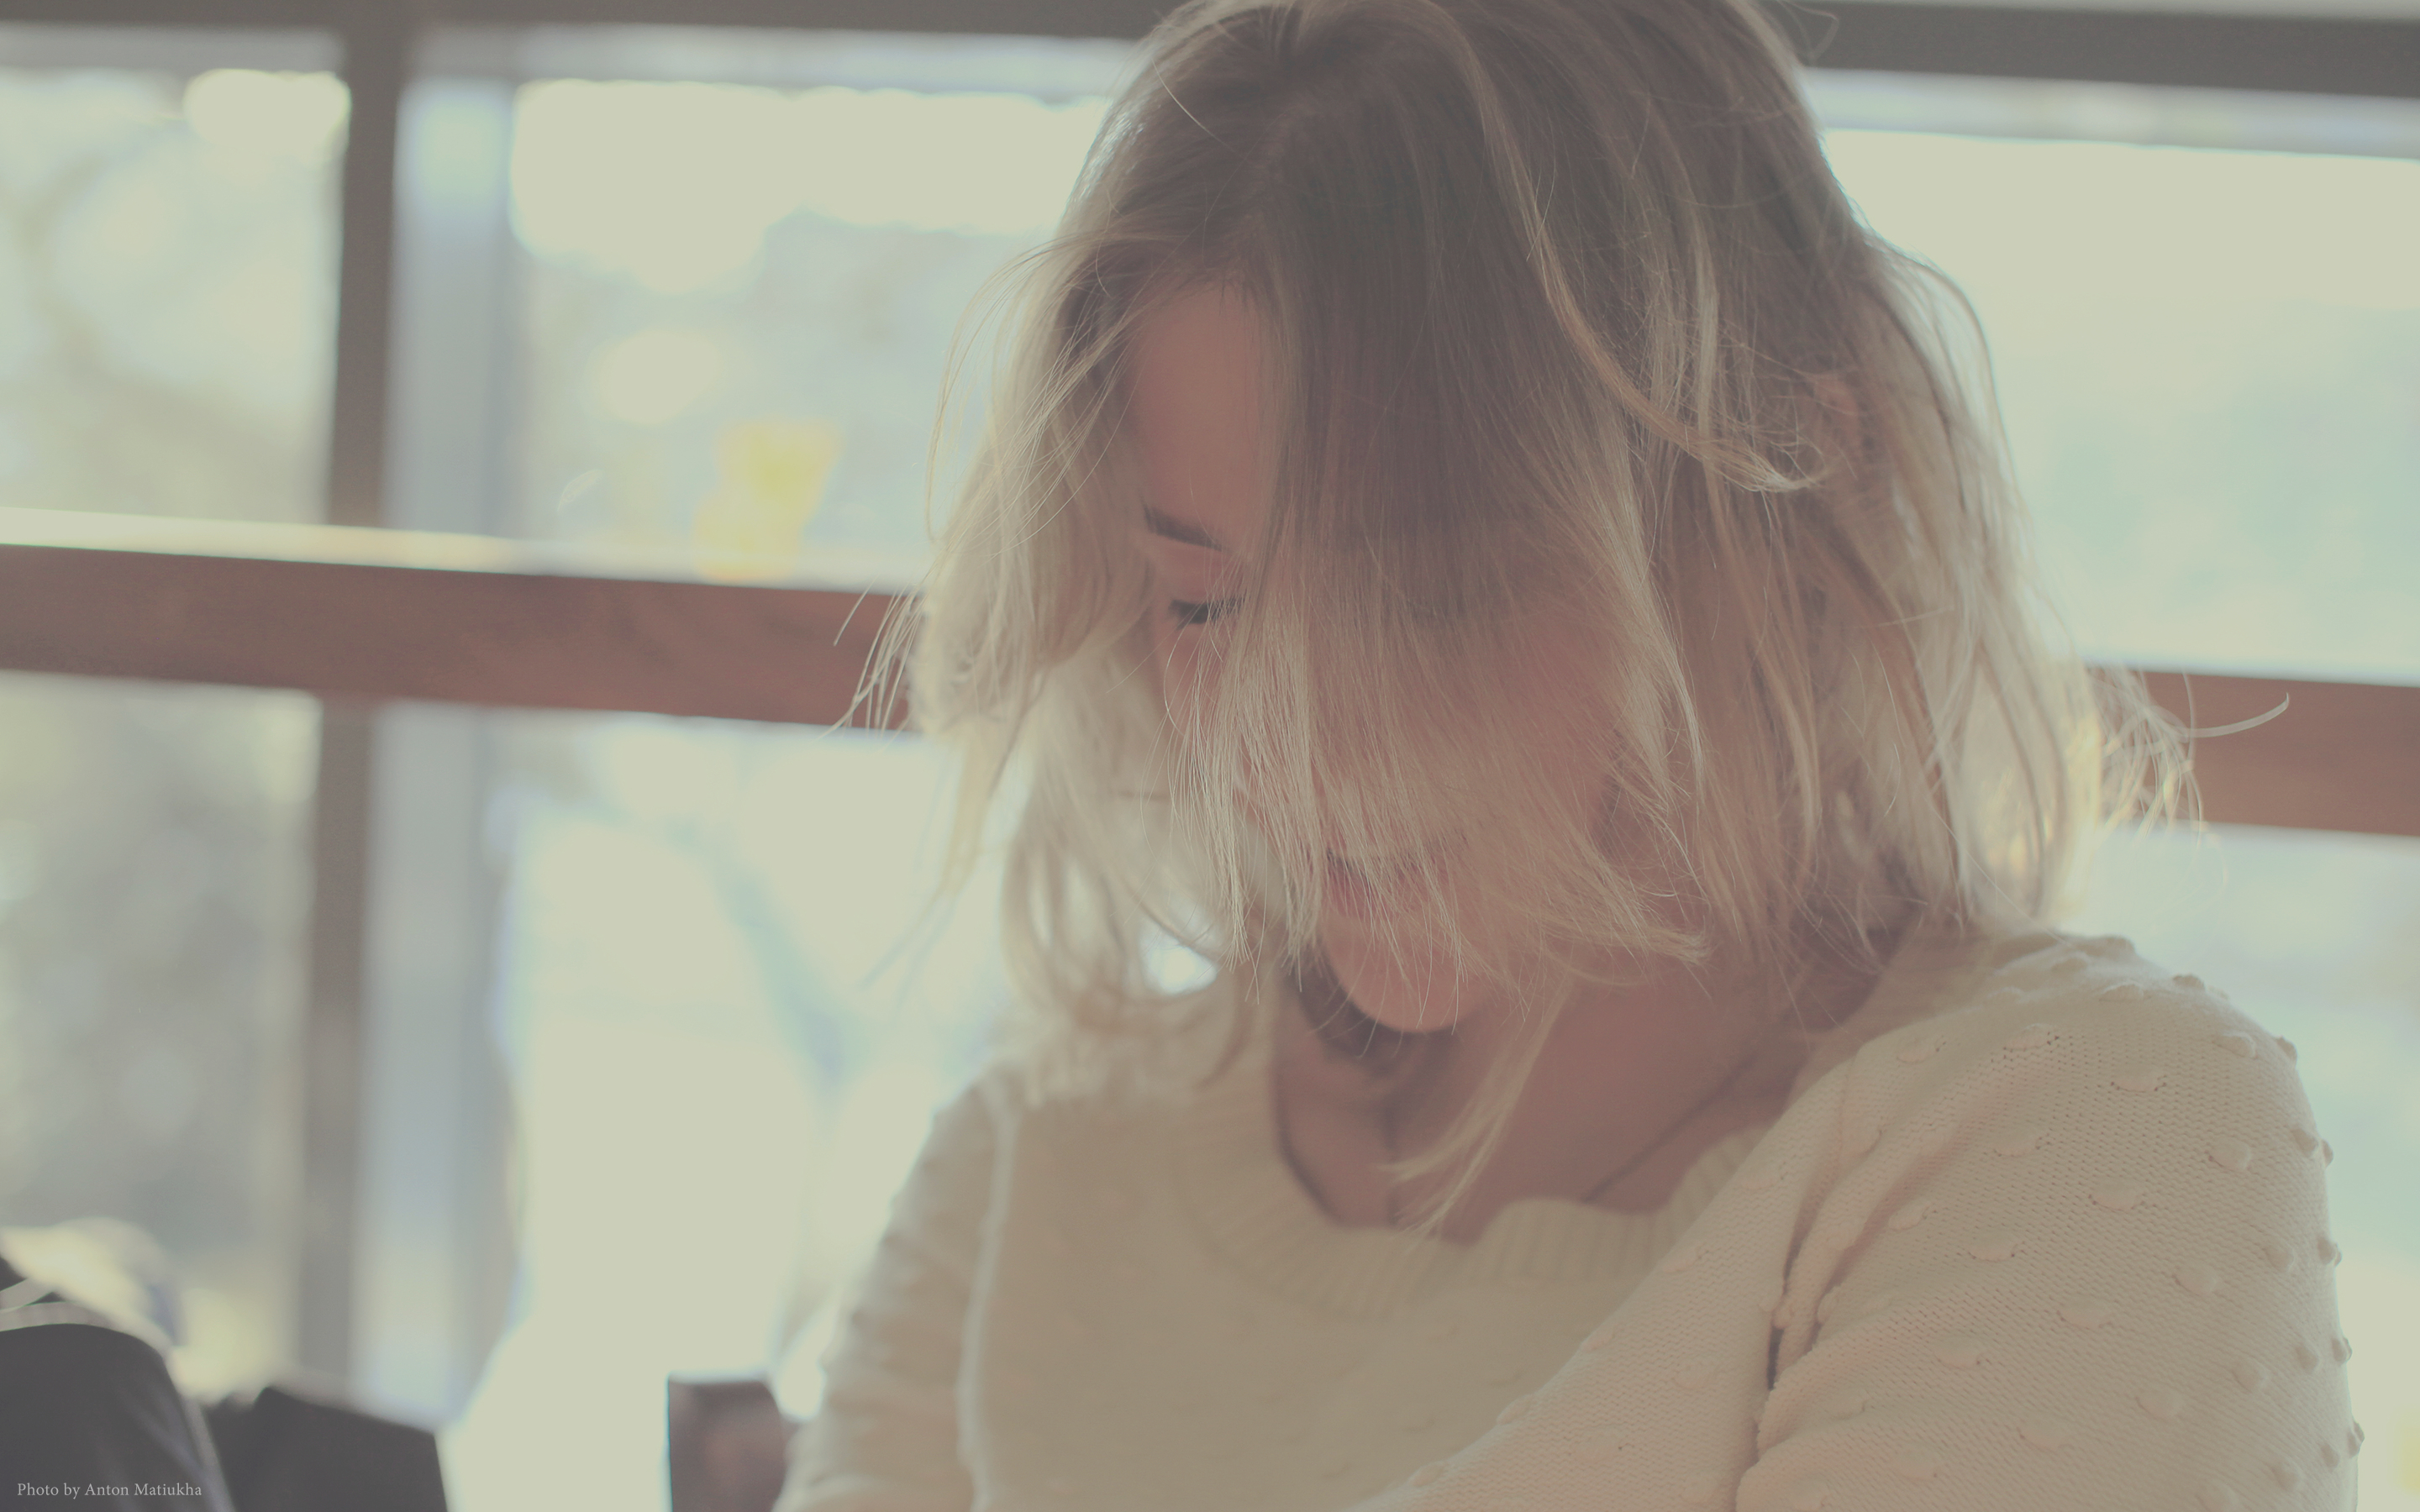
(1633, 1084)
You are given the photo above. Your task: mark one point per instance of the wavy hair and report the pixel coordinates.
(1565, 315)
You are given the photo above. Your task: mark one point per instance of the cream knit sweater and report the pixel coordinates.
(2043, 1228)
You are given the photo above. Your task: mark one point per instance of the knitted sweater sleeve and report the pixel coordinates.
(2076, 1254)
(886, 1436)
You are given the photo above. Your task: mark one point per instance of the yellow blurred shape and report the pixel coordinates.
(771, 475)
(2407, 1450)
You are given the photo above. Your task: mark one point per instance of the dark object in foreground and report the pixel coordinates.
(284, 1451)
(87, 1404)
(726, 1445)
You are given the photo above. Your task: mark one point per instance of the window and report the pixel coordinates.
(702, 316)
(2206, 330)
(167, 275)
(168, 259)
(154, 872)
(726, 1040)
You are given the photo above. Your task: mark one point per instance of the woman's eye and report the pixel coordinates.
(1186, 614)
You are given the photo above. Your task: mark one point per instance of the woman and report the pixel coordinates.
(1484, 547)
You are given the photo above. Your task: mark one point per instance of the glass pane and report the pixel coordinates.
(665, 289)
(2318, 936)
(2208, 355)
(736, 301)
(154, 884)
(167, 271)
(727, 1030)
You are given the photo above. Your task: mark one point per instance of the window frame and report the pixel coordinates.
(407, 615)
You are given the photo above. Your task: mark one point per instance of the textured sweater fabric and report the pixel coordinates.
(2041, 1228)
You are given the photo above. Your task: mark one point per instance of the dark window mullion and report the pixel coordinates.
(2294, 53)
(378, 37)
(2122, 42)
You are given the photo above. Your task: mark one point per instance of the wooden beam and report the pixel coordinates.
(1043, 18)
(2307, 53)
(370, 630)
(364, 614)
(2301, 54)
(2337, 756)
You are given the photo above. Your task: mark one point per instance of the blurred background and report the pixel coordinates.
(500, 1062)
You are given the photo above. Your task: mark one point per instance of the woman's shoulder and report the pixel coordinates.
(2093, 1173)
(2099, 984)
(2056, 1011)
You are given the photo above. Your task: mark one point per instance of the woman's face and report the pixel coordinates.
(1207, 457)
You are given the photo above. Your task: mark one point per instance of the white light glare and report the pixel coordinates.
(647, 378)
(294, 115)
(675, 184)
(2063, 223)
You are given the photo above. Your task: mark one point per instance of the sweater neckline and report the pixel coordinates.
(1255, 1211)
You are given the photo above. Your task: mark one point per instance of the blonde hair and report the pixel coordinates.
(1565, 315)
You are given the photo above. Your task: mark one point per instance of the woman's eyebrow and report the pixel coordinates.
(1177, 529)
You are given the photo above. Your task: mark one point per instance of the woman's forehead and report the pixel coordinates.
(1196, 418)
(1204, 432)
